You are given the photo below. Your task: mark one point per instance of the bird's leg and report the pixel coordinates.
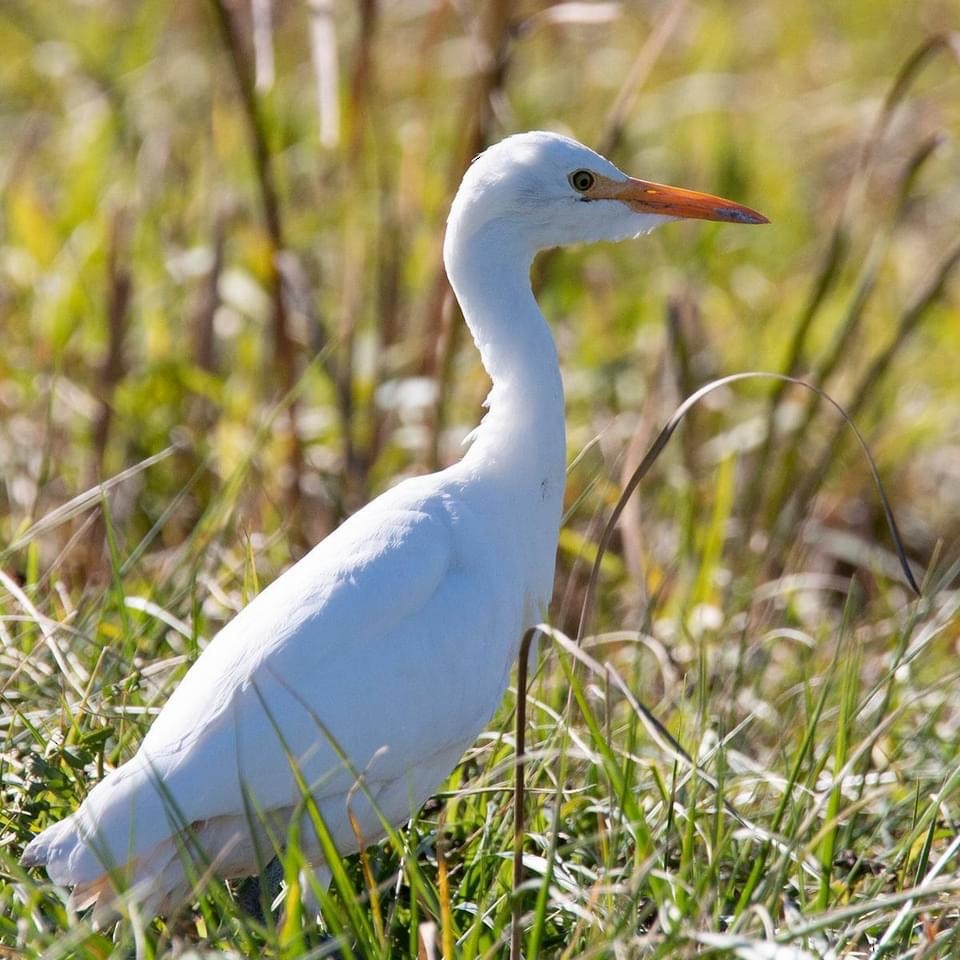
(252, 892)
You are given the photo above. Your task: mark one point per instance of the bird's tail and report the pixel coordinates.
(157, 881)
(61, 850)
(55, 848)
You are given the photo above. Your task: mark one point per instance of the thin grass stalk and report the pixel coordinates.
(252, 815)
(331, 856)
(373, 894)
(417, 881)
(946, 42)
(46, 631)
(929, 817)
(675, 361)
(849, 325)
(868, 385)
(928, 896)
(390, 247)
(846, 331)
(805, 750)
(823, 282)
(609, 765)
(848, 694)
(368, 130)
(888, 684)
(802, 827)
(644, 467)
(343, 384)
(290, 934)
(656, 448)
(80, 504)
(136, 554)
(543, 894)
(923, 862)
(218, 514)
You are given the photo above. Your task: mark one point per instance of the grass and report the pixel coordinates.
(241, 329)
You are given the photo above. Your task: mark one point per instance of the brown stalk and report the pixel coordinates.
(845, 334)
(207, 301)
(519, 795)
(361, 115)
(363, 77)
(201, 411)
(384, 249)
(112, 370)
(447, 938)
(283, 345)
(111, 373)
(640, 71)
(389, 247)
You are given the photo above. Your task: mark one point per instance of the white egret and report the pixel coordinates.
(392, 640)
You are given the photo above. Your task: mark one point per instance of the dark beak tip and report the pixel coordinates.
(743, 216)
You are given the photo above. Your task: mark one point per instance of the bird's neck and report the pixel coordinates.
(523, 432)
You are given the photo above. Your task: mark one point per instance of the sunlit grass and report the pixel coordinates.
(139, 299)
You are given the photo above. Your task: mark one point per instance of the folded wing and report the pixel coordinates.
(356, 650)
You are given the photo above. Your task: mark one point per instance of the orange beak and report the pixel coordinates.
(646, 197)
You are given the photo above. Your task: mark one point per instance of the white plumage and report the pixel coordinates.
(392, 641)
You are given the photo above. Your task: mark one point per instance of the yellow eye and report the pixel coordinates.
(582, 180)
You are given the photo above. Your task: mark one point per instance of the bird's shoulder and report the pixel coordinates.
(378, 569)
(405, 538)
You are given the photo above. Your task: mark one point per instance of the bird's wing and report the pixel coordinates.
(363, 642)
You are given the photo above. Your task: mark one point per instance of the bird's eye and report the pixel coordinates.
(582, 180)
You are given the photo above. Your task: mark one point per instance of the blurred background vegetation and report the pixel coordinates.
(204, 211)
(220, 278)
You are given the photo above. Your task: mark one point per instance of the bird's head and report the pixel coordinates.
(550, 191)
